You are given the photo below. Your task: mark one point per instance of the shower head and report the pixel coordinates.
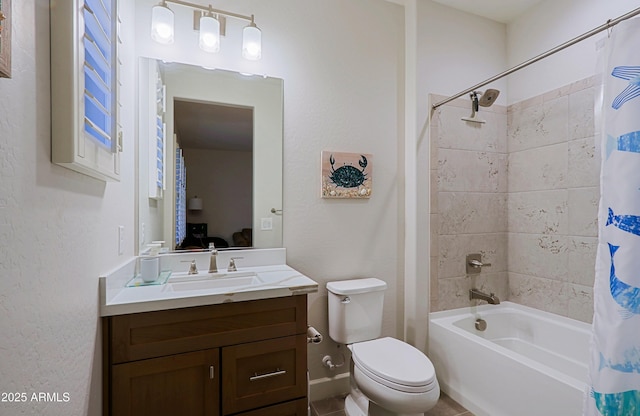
(478, 98)
(487, 99)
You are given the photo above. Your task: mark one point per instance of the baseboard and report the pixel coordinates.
(323, 388)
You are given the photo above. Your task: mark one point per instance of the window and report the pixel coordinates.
(86, 135)
(181, 197)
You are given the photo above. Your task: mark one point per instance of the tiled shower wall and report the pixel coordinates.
(522, 189)
(468, 202)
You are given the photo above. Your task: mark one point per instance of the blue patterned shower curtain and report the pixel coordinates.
(614, 375)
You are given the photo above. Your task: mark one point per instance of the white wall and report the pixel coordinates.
(342, 88)
(58, 232)
(227, 205)
(550, 24)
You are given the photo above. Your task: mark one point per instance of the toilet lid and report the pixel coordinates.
(394, 363)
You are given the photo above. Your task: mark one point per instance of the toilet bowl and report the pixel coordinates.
(388, 377)
(395, 376)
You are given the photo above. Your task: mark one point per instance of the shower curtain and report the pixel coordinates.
(614, 374)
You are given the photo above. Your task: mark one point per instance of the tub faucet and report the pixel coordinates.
(491, 299)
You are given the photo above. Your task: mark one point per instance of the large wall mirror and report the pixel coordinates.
(225, 129)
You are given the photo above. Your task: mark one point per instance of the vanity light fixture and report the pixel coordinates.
(209, 33)
(162, 23)
(251, 42)
(209, 38)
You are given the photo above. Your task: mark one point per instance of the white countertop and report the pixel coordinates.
(270, 280)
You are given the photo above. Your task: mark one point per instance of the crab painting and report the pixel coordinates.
(348, 176)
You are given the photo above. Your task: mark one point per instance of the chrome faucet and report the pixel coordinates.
(193, 267)
(213, 264)
(232, 264)
(491, 298)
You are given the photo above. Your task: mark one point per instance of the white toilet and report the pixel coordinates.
(389, 377)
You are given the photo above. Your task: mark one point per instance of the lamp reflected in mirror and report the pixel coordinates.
(195, 204)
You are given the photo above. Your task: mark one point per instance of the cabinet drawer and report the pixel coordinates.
(293, 408)
(261, 373)
(155, 334)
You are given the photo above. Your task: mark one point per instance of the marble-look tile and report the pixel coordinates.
(453, 293)
(537, 126)
(540, 293)
(453, 133)
(556, 93)
(472, 213)
(454, 249)
(581, 114)
(521, 105)
(538, 212)
(433, 197)
(461, 170)
(538, 255)
(538, 169)
(583, 163)
(579, 302)
(434, 244)
(581, 257)
(583, 211)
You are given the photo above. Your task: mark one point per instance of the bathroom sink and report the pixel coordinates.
(210, 283)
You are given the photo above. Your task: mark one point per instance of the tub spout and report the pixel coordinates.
(491, 298)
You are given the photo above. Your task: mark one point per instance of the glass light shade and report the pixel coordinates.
(162, 24)
(251, 42)
(209, 34)
(195, 204)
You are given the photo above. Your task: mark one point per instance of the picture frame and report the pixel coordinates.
(5, 38)
(346, 175)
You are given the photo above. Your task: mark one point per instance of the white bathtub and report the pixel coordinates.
(526, 363)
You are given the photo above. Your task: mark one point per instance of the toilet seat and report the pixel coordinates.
(395, 364)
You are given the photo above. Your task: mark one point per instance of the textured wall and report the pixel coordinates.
(58, 232)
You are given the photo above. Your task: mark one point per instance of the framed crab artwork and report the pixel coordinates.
(346, 175)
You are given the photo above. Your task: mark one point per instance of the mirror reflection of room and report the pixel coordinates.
(249, 106)
(217, 147)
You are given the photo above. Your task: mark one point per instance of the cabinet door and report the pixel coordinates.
(184, 384)
(262, 373)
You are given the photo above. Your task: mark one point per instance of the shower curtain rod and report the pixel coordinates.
(610, 23)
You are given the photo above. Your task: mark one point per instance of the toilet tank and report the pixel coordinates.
(355, 309)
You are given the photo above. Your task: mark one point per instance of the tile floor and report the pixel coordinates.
(334, 406)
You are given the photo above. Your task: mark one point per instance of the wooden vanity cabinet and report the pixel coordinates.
(241, 358)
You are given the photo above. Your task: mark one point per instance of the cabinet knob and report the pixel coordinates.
(212, 372)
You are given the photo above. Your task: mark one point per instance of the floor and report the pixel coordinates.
(334, 406)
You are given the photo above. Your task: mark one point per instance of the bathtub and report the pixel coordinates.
(526, 363)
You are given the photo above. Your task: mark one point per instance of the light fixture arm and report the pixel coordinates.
(211, 9)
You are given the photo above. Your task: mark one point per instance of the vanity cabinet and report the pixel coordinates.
(240, 358)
